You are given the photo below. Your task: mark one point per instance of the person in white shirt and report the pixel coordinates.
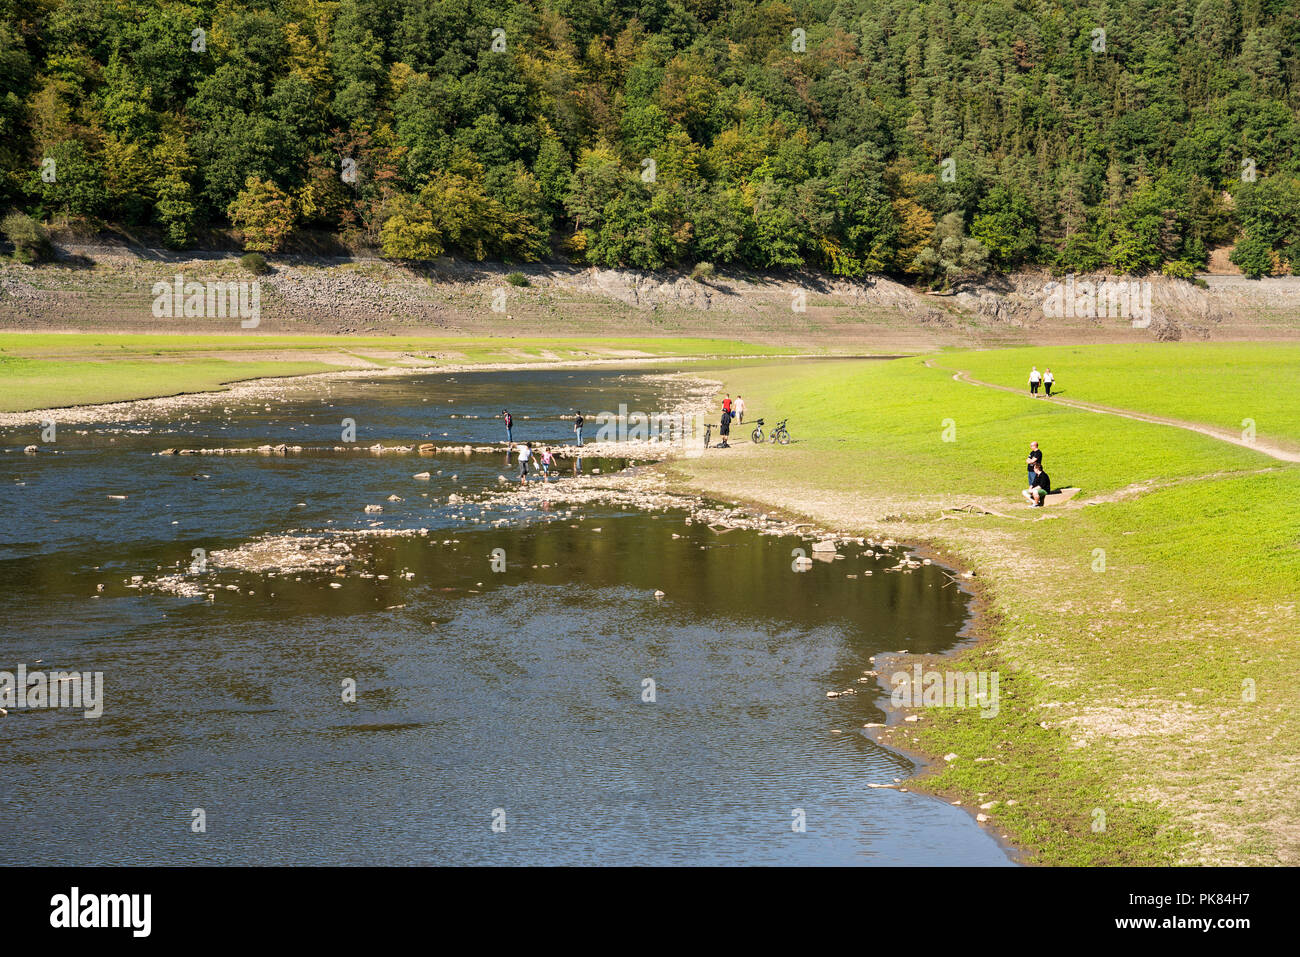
(1048, 379)
(525, 453)
(739, 408)
(1035, 377)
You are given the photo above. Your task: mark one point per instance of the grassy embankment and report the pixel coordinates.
(1133, 628)
(49, 370)
(1218, 384)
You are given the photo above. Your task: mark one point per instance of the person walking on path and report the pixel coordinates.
(1035, 378)
(739, 409)
(1035, 458)
(546, 459)
(1048, 379)
(510, 426)
(725, 429)
(726, 404)
(525, 453)
(577, 427)
(1039, 486)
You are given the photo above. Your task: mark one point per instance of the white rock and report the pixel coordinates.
(950, 756)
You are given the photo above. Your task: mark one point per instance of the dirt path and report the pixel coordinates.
(1223, 435)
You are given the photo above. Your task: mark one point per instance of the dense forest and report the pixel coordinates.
(934, 139)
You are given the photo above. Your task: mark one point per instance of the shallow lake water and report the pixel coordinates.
(513, 696)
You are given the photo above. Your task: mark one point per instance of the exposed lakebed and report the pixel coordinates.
(481, 695)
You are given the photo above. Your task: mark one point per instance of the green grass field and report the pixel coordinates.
(1136, 629)
(51, 370)
(1221, 384)
(1145, 633)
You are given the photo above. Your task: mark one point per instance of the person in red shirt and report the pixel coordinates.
(726, 404)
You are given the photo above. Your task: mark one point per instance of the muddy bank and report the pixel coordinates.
(109, 288)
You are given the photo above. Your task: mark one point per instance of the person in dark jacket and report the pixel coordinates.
(1035, 458)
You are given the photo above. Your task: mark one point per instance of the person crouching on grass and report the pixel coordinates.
(1036, 494)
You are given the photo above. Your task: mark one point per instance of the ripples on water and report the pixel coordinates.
(477, 691)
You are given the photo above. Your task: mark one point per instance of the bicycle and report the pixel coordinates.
(778, 433)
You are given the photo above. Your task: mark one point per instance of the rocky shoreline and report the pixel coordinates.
(108, 288)
(278, 387)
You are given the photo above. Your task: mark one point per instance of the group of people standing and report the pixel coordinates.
(1045, 379)
(730, 410)
(541, 458)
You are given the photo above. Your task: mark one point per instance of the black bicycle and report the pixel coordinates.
(778, 434)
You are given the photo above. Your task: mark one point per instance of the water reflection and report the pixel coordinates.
(477, 689)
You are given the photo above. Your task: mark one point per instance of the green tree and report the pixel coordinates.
(951, 257)
(1007, 227)
(264, 213)
(409, 231)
